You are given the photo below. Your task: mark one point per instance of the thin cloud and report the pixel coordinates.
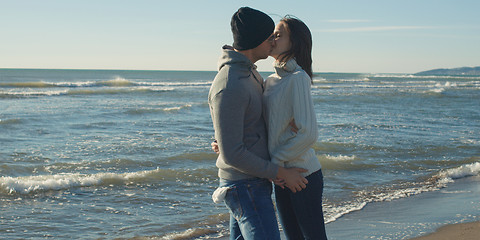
(376, 29)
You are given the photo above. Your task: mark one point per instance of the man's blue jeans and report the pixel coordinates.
(252, 214)
(301, 213)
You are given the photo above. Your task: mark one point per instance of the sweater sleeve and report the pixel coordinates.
(229, 108)
(305, 119)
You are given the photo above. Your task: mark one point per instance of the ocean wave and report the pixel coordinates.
(340, 158)
(469, 85)
(29, 93)
(326, 87)
(397, 191)
(468, 170)
(211, 227)
(435, 90)
(103, 91)
(140, 111)
(191, 233)
(117, 85)
(332, 213)
(439, 87)
(84, 91)
(364, 197)
(75, 84)
(116, 82)
(27, 85)
(30, 184)
(10, 121)
(177, 108)
(409, 86)
(176, 84)
(470, 141)
(349, 80)
(423, 76)
(446, 84)
(318, 79)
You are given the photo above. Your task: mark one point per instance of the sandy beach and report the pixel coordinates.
(462, 231)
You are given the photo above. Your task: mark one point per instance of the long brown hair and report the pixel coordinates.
(301, 40)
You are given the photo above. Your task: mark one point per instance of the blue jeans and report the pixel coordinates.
(252, 214)
(301, 213)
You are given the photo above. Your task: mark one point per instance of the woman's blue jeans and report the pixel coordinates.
(252, 214)
(301, 213)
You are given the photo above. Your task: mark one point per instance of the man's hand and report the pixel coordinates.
(215, 147)
(293, 178)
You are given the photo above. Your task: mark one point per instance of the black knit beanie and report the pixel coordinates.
(250, 28)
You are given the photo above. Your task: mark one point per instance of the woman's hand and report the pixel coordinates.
(293, 178)
(215, 146)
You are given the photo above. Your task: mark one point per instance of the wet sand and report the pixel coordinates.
(461, 231)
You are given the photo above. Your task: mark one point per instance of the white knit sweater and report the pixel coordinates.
(288, 97)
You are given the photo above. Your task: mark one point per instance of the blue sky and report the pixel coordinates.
(370, 36)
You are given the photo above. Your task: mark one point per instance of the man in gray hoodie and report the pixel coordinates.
(236, 107)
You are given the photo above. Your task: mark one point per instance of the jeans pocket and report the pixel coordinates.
(232, 200)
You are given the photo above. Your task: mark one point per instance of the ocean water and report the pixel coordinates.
(104, 154)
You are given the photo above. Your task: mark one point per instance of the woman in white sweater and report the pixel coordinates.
(287, 103)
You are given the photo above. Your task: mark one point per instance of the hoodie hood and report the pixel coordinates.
(234, 59)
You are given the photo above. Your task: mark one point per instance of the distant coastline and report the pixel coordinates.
(452, 71)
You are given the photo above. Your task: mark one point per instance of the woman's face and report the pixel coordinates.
(282, 40)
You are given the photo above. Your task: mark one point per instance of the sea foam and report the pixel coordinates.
(462, 171)
(28, 184)
(340, 157)
(117, 82)
(434, 183)
(168, 109)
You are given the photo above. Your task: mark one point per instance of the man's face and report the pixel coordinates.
(264, 49)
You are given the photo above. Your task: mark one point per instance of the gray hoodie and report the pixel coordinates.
(235, 100)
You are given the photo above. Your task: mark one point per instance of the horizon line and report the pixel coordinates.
(158, 70)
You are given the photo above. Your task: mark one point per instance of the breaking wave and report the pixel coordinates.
(436, 182)
(31, 184)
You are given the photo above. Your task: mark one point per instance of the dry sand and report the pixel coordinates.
(462, 231)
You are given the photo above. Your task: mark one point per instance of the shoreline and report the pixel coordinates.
(452, 212)
(412, 216)
(459, 231)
